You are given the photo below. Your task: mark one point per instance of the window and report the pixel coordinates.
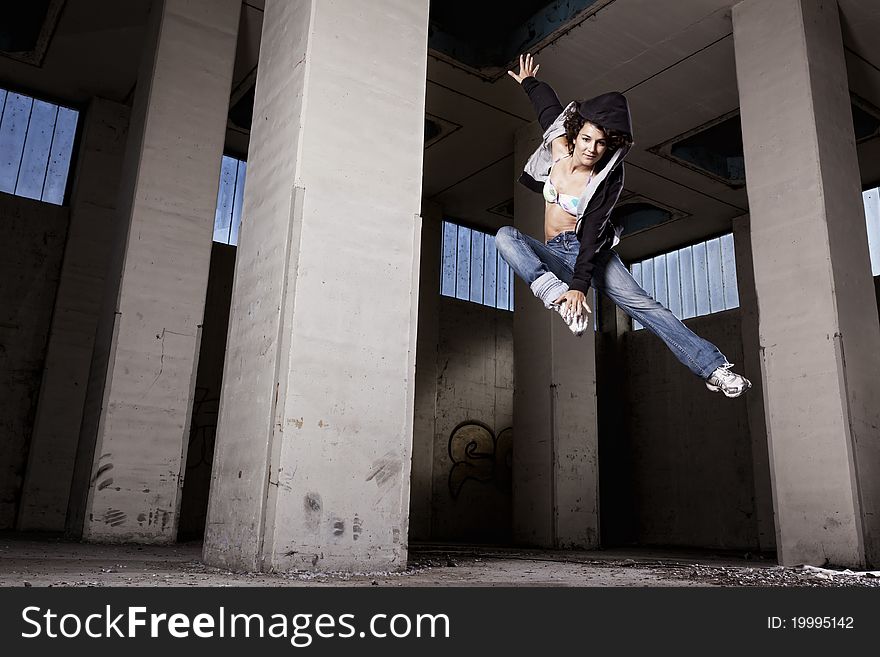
(227, 217)
(716, 148)
(36, 143)
(871, 199)
(693, 281)
(472, 269)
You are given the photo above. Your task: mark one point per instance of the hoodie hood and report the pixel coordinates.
(611, 111)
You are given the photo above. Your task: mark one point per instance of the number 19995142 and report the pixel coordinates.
(810, 623)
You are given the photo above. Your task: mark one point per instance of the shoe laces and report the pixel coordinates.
(723, 372)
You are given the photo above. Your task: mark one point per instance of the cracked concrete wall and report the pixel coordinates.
(31, 250)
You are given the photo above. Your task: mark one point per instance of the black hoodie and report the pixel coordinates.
(594, 228)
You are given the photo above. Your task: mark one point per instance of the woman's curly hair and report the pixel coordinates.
(574, 122)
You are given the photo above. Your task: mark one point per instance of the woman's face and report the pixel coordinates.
(589, 145)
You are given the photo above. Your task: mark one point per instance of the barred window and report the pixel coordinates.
(36, 144)
(696, 280)
(227, 217)
(472, 269)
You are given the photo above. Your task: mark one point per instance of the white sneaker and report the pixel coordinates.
(730, 383)
(577, 325)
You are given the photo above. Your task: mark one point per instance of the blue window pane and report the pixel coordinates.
(673, 283)
(447, 277)
(509, 288)
(728, 272)
(688, 294)
(490, 257)
(59, 158)
(660, 293)
(472, 269)
(637, 272)
(637, 275)
(476, 294)
(13, 129)
(871, 200)
(503, 291)
(716, 289)
(237, 202)
(35, 157)
(701, 278)
(463, 264)
(225, 199)
(694, 280)
(648, 276)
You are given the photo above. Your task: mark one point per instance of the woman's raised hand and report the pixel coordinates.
(527, 68)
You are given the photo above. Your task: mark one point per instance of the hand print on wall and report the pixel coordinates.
(477, 454)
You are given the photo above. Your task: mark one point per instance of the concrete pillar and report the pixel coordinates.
(555, 456)
(53, 447)
(617, 490)
(312, 463)
(751, 369)
(135, 430)
(819, 333)
(425, 409)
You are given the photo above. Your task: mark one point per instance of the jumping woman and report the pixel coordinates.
(578, 168)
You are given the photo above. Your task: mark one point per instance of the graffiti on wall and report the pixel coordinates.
(204, 429)
(479, 455)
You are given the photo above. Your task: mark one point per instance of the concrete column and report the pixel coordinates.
(555, 456)
(425, 409)
(819, 333)
(617, 492)
(312, 463)
(751, 369)
(53, 447)
(135, 430)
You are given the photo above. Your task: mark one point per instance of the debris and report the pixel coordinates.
(829, 573)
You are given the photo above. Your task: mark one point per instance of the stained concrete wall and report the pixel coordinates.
(473, 427)
(31, 249)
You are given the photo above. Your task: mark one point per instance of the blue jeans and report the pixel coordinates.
(541, 264)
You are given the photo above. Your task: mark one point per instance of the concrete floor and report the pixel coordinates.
(26, 560)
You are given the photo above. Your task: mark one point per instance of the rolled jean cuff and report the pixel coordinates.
(548, 288)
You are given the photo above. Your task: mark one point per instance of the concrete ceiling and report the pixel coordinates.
(674, 60)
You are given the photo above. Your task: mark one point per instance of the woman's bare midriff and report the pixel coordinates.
(556, 220)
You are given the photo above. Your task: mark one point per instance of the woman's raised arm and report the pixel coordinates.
(544, 99)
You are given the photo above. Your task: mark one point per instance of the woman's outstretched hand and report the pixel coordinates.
(527, 68)
(574, 304)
